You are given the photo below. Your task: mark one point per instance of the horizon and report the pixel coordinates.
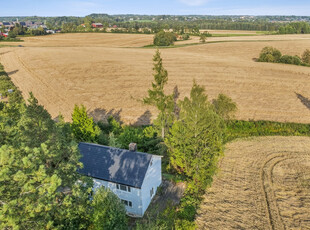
(82, 8)
(213, 15)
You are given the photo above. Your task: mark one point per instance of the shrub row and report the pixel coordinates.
(270, 54)
(240, 129)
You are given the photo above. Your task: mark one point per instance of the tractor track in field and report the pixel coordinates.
(266, 179)
(263, 183)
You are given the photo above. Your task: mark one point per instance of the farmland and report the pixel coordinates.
(263, 183)
(108, 73)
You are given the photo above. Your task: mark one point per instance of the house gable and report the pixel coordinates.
(151, 181)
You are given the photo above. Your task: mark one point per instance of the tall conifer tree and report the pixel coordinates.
(157, 97)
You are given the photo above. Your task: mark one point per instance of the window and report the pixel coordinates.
(127, 203)
(152, 192)
(123, 187)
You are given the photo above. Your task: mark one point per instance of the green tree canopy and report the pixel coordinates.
(195, 141)
(163, 38)
(224, 107)
(108, 211)
(270, 54)
(83, 126)
(38, 175)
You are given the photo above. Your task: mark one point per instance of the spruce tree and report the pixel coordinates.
(157, 97)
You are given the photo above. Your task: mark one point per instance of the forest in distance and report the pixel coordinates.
(175, 22)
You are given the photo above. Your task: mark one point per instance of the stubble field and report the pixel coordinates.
(109, 73)
(263, 183)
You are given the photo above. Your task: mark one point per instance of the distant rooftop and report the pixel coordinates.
(113, 164)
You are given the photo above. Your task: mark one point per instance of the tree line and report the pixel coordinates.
(178, 23)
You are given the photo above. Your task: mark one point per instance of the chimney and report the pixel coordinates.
(132, 147)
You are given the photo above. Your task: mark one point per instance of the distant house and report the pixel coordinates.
(29, 23)
(7, 24)
(97, 25)
(3, 34)
(133, 176)
(50, 31)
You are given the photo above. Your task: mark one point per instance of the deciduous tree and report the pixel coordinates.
(225, 107)
(108, 211)
(83, 126)
(195, 141)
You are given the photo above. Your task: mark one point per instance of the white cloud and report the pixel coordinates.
(194, 2)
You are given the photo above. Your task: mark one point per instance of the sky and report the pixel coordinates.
(156, 7)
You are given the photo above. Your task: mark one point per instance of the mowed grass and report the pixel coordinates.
(101, 72)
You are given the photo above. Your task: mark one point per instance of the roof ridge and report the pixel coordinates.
(110, 147)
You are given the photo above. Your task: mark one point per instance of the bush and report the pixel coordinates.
(269, 54)
(12, 34)
(163, 38)
(202, 38)
(207, 34)
(185, 36)
(108, 211)
(287, 59)
(240, 129)
(306, 57)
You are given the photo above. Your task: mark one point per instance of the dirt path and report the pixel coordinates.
(264, 183)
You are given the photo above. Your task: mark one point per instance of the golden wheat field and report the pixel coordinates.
(263, 183)
(110, 73)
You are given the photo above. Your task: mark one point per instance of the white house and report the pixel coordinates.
(133, 176)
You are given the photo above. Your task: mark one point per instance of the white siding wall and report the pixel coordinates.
(152, 180)
(134, 196)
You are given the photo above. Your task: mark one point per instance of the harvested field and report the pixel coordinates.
(100, 71)
(263, 183)
(87, 40)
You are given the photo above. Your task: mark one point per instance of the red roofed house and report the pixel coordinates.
(97, 25)
(3, 34)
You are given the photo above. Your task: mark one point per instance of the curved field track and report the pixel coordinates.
(264, 183)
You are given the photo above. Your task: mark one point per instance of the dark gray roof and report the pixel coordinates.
(113, 164)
